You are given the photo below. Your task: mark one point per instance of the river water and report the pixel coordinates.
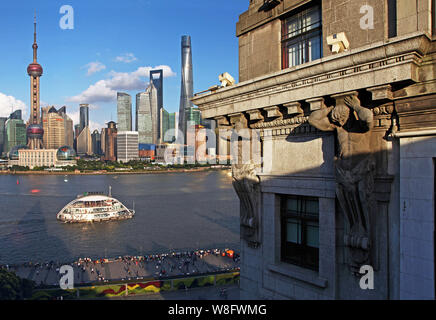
(174, 211)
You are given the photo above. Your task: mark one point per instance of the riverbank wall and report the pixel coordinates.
(100, 172)
(139, 288)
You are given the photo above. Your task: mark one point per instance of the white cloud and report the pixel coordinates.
(75, 116)
(99, 91)
(8, 104)
(94, 67)
(106, 90)
(126, 58)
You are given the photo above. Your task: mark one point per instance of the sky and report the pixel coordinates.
(112, 46)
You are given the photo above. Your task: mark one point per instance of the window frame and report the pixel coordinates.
(301, 250)
(301, 36)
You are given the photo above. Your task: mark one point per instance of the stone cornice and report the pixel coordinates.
(278, 123)
(375, 65)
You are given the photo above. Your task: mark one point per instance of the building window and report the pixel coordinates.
(392, 18)
(433, 16)
(300, 231)
(302, 37)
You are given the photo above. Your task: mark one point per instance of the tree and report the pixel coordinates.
(12, 287)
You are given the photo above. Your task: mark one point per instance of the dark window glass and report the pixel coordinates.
(300, 231)
(392, 18)
(433, 16)
(302, 37)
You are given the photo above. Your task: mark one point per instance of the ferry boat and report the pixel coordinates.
(94, 207)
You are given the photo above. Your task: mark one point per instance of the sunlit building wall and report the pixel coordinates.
(84, 142)
(127, 146)
(124, 111)
(143, 121)
(110, 142)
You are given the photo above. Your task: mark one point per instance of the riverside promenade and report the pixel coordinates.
(132, 268)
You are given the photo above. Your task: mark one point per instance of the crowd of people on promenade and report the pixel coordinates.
(155, 266)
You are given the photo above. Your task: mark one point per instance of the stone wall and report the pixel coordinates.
(417, 175)
(260, 32)
(344, 16)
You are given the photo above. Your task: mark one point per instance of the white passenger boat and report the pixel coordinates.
(94, 207)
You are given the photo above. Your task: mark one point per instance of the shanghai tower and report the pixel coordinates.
(187, 87)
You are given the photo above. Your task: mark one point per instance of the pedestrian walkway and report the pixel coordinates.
(133, 268)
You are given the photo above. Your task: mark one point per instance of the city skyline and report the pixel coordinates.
(93, 75)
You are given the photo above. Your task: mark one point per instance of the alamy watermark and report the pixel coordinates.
(67, 277)
(367, 280)
(367, 20)
(67, 20)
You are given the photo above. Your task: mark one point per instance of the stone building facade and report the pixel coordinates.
(342, 96)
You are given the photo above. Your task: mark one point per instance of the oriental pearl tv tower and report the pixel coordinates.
(34, 129)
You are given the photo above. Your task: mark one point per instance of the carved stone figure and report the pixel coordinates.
(247, 187)
(245, 181)
(355, 167)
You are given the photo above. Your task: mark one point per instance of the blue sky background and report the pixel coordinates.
(143, 34)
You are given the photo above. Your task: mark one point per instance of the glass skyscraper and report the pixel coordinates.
(143, 121)
(187, 86)
(147, 122)
(193, 116)
(84, 117)
(156, 76)
(17, 114)
(124, 111)
(16, 133)
(168, 121)
(96, 142)
(3, 136)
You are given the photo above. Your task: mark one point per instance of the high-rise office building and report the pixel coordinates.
(193, 116)
(34, 130)
(68, 125)
(143, 121)
(76, 131)
(17, 114)
(127, 146)
(62, 110)
(110, 141)
(96, 142)
(3, 136)
(156, 77)
(76, 135)
(173, 121)
(84, 142)
(147, 111)
(15, 134)
(167, 122)
(103, 140)
(54, 129)
(84, 117)
(124, 111)
(164, 123)
(187, 85)
(51, 121)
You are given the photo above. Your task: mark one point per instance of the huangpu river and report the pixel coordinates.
(174, 212)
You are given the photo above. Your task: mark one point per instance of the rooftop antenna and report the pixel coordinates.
(34, 46)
